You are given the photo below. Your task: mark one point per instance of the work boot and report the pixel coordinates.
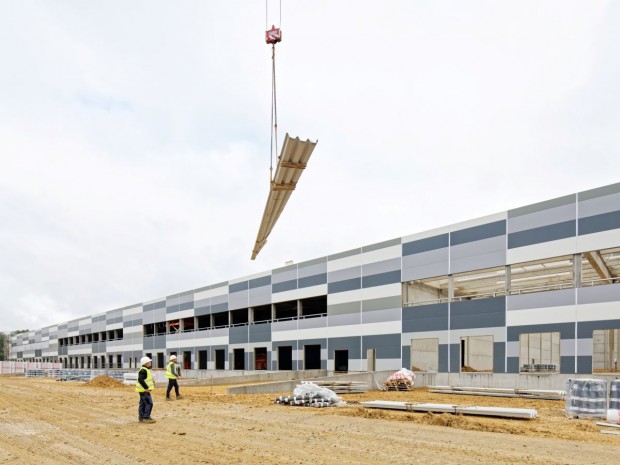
(179, 397)
(148, 420)
(168, 398)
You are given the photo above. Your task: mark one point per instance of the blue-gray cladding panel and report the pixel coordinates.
(443, 358)
(499, 357)
(586, 328)
(545, 299)
(315, 280)
(584, 364)
(284, 286)
(598, 294)
(548, 233)
(455, 358)
(566, 330)
(260, 333)
(343, 286)
(425, 318)
(513, 364)
(202, 311)
(598, 223)
(259, 282)
(406, 356)
(219, 308)
(567, 365)
(238, 334)
(242, 286)
(424, 245)
(352, 344)
(477, 233)
(482, 313)
(381, 279)
(387, 345)
(186, 306)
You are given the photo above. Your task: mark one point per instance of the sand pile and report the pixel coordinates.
(105, 381)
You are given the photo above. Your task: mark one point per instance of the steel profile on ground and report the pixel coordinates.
(544, 394)
(521, 413)
(292, 161)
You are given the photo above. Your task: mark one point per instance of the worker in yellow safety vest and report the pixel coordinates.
(144, 386)
(173, 373)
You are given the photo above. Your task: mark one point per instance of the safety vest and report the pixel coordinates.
(169, 373)
(149, 380)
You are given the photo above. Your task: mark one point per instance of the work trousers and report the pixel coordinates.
(146, 405)
(172, 383)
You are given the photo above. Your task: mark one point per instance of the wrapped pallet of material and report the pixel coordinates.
(614, 394)
(586, 398)
(402, 380)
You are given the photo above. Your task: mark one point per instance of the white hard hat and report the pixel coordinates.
(173, 357)
(145, 360)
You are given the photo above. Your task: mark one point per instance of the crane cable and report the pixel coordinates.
(274, 106)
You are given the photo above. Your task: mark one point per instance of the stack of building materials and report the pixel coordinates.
(343, 387)
(402, 380)
(455, 409)
(310, 395)
(614, 394)
(586, 398)
(499, 392)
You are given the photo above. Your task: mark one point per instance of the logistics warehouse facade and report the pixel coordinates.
(534, 289)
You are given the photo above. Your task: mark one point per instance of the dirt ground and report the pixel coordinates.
(43, 421)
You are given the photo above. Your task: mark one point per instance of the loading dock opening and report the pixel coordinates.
(260, 358)
(239, 359)
(312, 357)
(220, 359)
(341, 361)
(285, 358)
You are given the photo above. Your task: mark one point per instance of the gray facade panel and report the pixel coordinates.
(386, 345)
(380, 316)
(381, 279)
(352, 344)
(238, 300)
(159, 342)
(186, 297)
(284, 286)
(238, 335)
(219, 299)
(542, 218)
(202, 311)
(566, 330)
(384, 266)
(260, 333)
(479, 262)
(315, 280)
(346, 274)
(599, 192)
(186, 306)
(344, 320)
(548, 233)
(598, 223)
(219, 308)
(288, 275)
(343, 309)
(426, 245)
(483, 313)
(344, 286)
(478, 233)
(543, 206)
(382, 303)
(599, 205)
(406, 356)
(314, 322)
(586, 328)
(348, 253)
(381, 245)
(598, 294)
(425, 318)
(545, 299)
(312, 269)
(426, 271)
(513, 364)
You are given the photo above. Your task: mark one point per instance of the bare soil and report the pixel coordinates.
(43, 421)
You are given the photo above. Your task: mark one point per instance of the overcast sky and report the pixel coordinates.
(134, 136)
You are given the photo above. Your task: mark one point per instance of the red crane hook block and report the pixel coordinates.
(273, 35)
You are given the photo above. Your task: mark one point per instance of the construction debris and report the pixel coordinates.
(402, 380)
(455, 409)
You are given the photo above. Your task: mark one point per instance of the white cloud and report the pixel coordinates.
(134, 137)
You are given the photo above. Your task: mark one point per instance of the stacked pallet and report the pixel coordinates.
(499, 392)
(402, 380)
(344, 387)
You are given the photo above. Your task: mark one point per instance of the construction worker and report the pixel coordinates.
(173, 373)
(144, 386)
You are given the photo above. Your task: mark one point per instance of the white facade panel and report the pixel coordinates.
(344, 297)
(302, 293)
(379, 255)
(344, 263)
(541, 316)
(598, 312)
(598, 241)
(377, 292)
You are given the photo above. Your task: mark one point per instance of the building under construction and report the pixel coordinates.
(534, 290)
